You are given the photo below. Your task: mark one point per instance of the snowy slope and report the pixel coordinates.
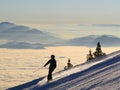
(100, 74)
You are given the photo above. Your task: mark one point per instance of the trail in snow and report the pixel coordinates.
(102, 73)
(83, 66)
(81, 75)
(99, 77)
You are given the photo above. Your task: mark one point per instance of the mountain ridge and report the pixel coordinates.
(15, 34)
(12, 33)
(91, 41)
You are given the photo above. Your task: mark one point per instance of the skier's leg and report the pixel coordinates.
(50, 74)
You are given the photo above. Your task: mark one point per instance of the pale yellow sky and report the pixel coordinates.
(60, 11)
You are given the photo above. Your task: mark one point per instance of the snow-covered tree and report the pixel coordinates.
(90, 55)
(98, 51)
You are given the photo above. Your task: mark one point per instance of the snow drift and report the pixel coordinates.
(102, 73)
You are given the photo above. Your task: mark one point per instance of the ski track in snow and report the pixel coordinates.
(92, 79)
(102, 73)
(95, 78)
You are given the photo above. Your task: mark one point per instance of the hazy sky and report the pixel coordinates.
(60, 11)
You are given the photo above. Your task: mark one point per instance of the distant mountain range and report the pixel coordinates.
(101, 25)
(106, 25)
(13, 32)
(22, 37)
(22, 45)
(91, 40)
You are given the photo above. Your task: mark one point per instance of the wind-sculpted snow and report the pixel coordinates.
(100, 74)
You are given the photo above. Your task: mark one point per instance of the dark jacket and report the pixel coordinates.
(52, 63)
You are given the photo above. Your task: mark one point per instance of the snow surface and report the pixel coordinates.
(102, 73)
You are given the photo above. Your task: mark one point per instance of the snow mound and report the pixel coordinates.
(102, 73)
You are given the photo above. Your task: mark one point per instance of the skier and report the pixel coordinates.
(52, 66)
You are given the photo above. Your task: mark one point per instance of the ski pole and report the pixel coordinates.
(37, 69)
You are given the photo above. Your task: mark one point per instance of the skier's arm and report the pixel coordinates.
(47, 63)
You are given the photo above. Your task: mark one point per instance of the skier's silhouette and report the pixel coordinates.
(52, 66)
